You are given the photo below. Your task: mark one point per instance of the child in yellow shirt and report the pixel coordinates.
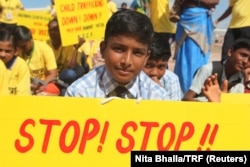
(18, 75)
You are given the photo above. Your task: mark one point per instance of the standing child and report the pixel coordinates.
(18, 74)
(125, 50)
(156, 69)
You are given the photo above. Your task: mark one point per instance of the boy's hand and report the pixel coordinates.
(155, 79)
(81, 40)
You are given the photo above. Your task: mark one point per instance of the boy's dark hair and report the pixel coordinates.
(241, 43)
(160, 49)
(22, 33)
(7, 35)
(124, 4)
(53, 20)
(130, 23)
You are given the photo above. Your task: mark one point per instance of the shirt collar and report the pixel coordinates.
(235, 77)
(110, 84)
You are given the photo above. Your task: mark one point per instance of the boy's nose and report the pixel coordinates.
(2, 54)
(126, 59)
(153, 72)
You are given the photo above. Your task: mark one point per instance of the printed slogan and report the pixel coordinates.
(53, 131)
(81, 18)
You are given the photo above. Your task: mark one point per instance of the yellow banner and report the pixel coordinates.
(84, 18)
(235, 98)
(60, 131)
(37, 22)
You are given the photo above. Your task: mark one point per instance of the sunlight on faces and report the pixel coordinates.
(155, 68)
(239, 59)
(7, 51)
(53, 30)
(124, 57)
(25, 46)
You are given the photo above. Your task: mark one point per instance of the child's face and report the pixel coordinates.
(25, 46)
(239, 59)
(7, 51)
(124, 57)
(155, 69)
(54, 33)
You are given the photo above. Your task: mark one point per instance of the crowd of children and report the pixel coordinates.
(133, 63)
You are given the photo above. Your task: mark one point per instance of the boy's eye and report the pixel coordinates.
(138, 53)
(149, 65)
(118, 49)
(162, 67)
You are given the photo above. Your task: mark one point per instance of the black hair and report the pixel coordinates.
(242, 42)
(52, 20)
(160, 49)
(22, 33)
(124, 4)
(130, 23)
(7, 35)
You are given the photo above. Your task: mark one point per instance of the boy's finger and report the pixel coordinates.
(224, 88)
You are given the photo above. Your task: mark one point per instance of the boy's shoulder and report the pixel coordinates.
(170, 75)
(90, 79)
(205, 69)
(150, 89)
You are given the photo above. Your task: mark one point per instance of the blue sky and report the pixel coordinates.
(35, 3)
(219, 9)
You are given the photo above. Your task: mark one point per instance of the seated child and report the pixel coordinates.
(125, 50)
(18, 74)
(40, 60)
(156, 69)
(232, 70)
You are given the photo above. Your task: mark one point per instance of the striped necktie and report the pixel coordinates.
(120, 91)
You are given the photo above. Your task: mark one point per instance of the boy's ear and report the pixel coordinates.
(16, 52)
(230, 52)
(102, 48)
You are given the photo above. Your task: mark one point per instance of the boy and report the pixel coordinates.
(125, 50)
(232, 71)
(40, 60)
(156, 69)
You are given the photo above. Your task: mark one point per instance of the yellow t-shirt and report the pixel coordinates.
(240, 13)
(63, 55)
(159, 16)
(10, 10)
(19, 78)
(3, 79)
(41, 60)
(86, 49)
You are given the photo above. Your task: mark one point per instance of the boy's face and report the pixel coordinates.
(155, 69)
(25, 46)
(54, 33)
(7, 51)
(239, 58)
(124, 57)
